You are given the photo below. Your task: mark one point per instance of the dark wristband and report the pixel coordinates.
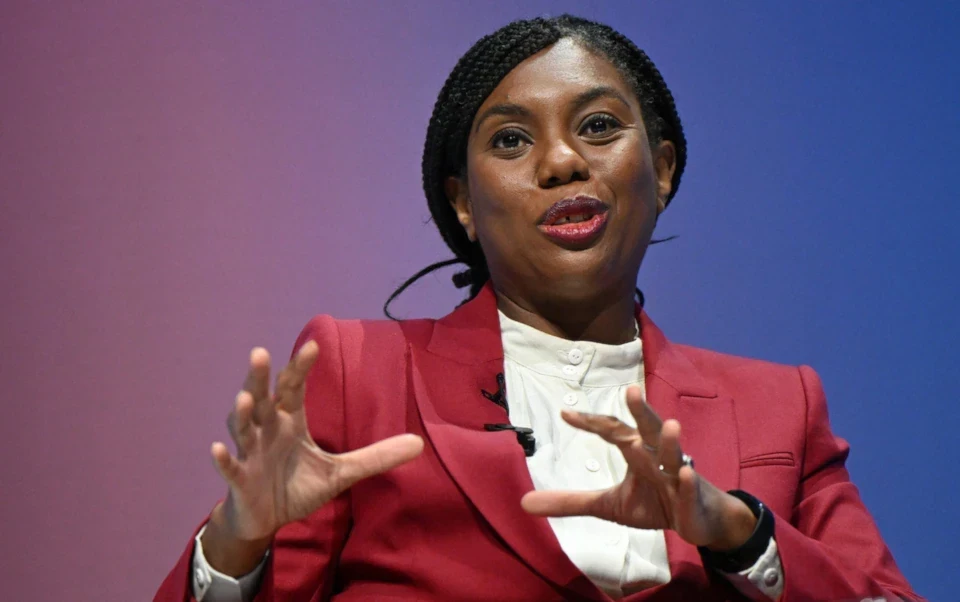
(747, 555)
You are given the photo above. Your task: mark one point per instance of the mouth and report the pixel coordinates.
(575, 222)
(579, 209)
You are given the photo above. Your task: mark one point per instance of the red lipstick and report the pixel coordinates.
(577, 221)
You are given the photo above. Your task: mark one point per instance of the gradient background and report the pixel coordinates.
(182, 181)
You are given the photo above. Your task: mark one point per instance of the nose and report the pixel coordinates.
(561, 164)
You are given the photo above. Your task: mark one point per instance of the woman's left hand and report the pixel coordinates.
(675, 497)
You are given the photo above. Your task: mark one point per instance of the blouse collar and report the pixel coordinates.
(591, 364)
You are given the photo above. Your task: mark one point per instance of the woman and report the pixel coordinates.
(386, 463)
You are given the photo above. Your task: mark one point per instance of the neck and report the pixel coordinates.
(609, 319)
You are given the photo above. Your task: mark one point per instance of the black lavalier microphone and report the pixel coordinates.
(524, 434)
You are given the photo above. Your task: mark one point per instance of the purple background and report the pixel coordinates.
(182, 181)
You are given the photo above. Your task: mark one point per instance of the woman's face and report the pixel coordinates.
(562, 189)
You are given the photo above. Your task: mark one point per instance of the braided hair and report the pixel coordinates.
(477, 74)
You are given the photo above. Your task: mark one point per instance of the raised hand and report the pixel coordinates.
(279, 474)
(650, 497)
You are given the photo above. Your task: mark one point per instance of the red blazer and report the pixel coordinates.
(448, 525)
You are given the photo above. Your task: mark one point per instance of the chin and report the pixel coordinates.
(586, 283)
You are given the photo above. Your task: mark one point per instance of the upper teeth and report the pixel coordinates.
(573, 219)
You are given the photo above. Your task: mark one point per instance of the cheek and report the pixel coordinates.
(631, 175)
(496, 193)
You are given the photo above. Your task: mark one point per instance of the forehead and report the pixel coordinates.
(564, 69)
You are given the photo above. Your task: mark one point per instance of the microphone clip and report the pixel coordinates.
(500, 397)
(524, 436)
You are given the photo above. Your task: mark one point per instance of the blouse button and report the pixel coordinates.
(770, 577)
(570, 399)
(593, 465)
(570, 370)
(575, 356)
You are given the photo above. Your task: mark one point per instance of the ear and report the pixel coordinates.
(665, 163)
(456, 189)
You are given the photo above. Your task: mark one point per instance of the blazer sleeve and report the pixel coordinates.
(304, 554)
(831, 549)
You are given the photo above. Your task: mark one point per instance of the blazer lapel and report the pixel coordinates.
(675, 389)
(463, 357)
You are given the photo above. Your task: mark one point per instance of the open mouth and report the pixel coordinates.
(573, 219)
(579, 209)
(575, 222)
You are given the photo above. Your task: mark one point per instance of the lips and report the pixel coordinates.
(578, 209)
(575, 222)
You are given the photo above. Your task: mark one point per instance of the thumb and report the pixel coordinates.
(377, 458)
(691, 514)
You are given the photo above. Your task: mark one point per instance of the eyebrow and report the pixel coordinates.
(507, 109)
(585, 98)
(582, 99)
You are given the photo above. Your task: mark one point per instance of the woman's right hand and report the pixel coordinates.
(280, 474)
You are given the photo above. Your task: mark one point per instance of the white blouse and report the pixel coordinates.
(545, 374)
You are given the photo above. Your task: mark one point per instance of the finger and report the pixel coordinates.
(671, 456)
(610, 428)
(290, 387)
(648, 423)
(376, 458)
(688, 500)
(614, 431)
(258, 374)
(257, 382)
(226, 465)
(240, 423)
(568, 503)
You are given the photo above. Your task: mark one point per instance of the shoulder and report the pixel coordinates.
(763, 389)
(736, 371)
(361, 369)
(365, 339)
(775, 395)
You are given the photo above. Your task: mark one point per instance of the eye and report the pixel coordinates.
(509, 139)
(599, 125)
